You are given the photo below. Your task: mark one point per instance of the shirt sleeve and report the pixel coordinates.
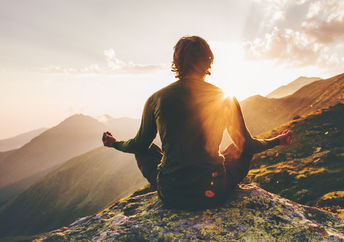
(240, 134)
(146, 134)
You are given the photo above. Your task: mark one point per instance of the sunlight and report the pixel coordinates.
(243, 78)
(229, 69)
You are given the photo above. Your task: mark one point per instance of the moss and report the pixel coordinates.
(252, 214)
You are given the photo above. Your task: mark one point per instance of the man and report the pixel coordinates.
(191, 116)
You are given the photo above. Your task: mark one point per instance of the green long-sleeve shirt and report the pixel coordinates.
(191, 116)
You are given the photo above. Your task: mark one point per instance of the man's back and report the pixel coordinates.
(189, 117)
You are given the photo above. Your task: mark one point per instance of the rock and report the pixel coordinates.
(252, 214)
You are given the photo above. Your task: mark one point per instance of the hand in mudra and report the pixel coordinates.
(285, 137)
(108, 139)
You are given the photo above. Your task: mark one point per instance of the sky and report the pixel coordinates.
(97, 57)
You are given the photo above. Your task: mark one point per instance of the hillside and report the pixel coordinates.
(4, 154)
(73, 136)
(263, 114)
(291, 87)
(309, 171)
(252, 214)
(19, 140)
(82, 186)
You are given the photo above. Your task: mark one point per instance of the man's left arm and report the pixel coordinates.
(242, 137)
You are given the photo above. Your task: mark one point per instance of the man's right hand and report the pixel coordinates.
(108, 139)
(285, 137)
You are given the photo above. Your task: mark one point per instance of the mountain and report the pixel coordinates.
(262, 114)
(4, 154)
(291, 87)
(19, 140)
(81, 186)
(309, 171)
(73, 136)
(252, 214)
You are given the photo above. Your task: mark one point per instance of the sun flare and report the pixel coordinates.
(229, 69)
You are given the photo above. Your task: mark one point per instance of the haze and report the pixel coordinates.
(106, 57)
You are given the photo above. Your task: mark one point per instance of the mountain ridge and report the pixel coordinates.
(262, 114)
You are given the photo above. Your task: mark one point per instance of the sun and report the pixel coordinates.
(228, 69)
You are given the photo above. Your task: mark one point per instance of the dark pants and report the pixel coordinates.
(236, 168)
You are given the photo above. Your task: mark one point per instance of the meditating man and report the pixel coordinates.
(191, 116)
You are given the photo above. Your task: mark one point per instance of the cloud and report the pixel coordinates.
(316, 41)
(325, 21)
(113, 66)
(292, 48)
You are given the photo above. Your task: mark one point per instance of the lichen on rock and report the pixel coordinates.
(251, 214)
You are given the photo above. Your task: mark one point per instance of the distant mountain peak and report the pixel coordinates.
(292, 87)
(78, 119)
(78, 116)
(104, 118)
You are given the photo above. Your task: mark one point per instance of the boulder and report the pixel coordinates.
(251, 214)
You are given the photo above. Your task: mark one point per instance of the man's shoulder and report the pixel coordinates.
(163, 90)
(167, 88)
(212, 90)
(212, 86)
(205, 86)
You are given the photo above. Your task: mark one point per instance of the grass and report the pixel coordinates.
(311, 170)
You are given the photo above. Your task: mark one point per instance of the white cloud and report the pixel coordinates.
(316, 41)
(113, 66)
(325, 21)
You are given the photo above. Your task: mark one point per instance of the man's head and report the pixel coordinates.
(192, 56)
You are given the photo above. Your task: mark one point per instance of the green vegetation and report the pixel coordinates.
(311, 170)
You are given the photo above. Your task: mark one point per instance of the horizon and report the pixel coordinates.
(113, 55)
(101, 118)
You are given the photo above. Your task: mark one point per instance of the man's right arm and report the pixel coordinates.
(146, 134)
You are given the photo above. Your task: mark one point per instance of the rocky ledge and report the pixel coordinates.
(252, 214)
